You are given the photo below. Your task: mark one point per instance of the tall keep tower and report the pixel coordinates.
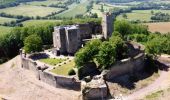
(107, 25)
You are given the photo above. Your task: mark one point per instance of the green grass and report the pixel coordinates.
(6, 1)
(38, 22)
(4, 30)
(154, 96)
(64, 69)
(46, 3)
(28, 10)
(75, 9)
(52, 61)
(6, 20)
(143, 15)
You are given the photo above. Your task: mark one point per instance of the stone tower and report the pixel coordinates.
(107, 24)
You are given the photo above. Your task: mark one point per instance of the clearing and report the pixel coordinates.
(38, 22)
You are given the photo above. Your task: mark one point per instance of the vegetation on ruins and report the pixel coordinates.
(33, 43)
(52, 61)
(104, 54)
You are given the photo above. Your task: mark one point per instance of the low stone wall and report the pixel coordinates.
(43, 73)
(130, 65)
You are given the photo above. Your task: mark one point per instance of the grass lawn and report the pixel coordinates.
(4, 19)
(64, 69)
(52, 61)
(46, 3)
(75, 9)
(38, 22)
(143, 15)
(4, 30)
(154, 96)
(28, 10)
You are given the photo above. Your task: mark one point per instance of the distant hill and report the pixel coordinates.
(123, 1)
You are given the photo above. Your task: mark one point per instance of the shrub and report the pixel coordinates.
(72, 72)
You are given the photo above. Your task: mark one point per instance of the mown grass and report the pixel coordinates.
(52, 61)
(64, 69)
(6, 20)
(75, 9)
(143, 15)
(28, 10)
(38, 22)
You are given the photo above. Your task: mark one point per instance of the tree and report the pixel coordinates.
(87, 53)
(106, 56)
(33, 43)
(102, 9)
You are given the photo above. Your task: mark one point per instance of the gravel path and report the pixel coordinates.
(19, 84)
(163, 82)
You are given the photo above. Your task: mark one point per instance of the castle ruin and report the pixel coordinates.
(68, 39)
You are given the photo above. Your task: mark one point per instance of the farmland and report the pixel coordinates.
(163, 27)
(38, 22)
(75, 9)
(142, 15)
(28, 10)
(5, 20)
(45, 3)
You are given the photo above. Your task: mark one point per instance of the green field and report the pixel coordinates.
(75, 9)
(6, 1)
(6, 20)
(52, 61)
(38, 22)
(4, 30)
(28, 10)
(64, 69)
(143, 15)
(45, 3)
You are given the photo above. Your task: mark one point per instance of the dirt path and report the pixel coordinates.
(19, 84)
(161, 83)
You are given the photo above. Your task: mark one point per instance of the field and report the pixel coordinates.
(45, 3)
(64, 69)
(106, 7)
(4, 30)
(28, 10)
(6, 1)
(163, 27)
(6, 20)
(75, 9)
(52, 61)
(38, 22)
(143, 15)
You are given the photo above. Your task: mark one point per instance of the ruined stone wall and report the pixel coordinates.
(46, 76)
(130, 65)
(85, 31)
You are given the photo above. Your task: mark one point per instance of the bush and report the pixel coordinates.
(72, 72)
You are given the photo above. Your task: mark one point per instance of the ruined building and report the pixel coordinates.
(107, 25)
(68, 39)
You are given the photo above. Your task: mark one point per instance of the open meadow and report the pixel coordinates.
(38, 22)
(45, 3)
(163, 27)
(75, 9)
(6, 20)
(142, 15)
(28, 10)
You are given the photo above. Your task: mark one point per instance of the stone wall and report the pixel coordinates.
(43, 73)
(130, 65)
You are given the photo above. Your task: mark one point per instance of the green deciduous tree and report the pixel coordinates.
(106, 55)
(33, 43)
